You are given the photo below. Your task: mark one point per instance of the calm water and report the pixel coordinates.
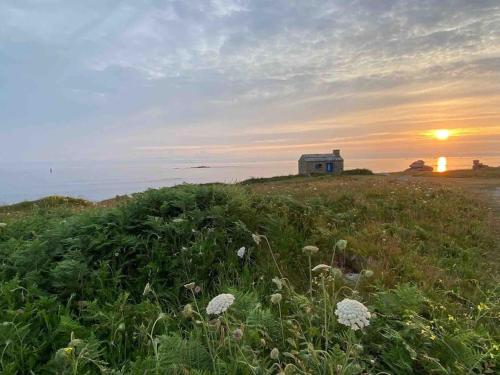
(102, 180)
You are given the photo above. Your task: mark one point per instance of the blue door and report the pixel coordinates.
(329, 167)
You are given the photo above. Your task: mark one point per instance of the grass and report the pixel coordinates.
(90, 289)
(489, 172)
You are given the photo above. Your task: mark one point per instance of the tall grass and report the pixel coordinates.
(102, 290)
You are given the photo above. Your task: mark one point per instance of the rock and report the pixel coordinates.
(420, 166)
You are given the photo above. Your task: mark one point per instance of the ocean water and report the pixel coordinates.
(102, 180)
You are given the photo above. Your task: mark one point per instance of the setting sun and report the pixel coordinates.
(442, 134)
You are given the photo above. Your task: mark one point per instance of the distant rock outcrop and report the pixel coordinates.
(419, 166)
(476, 164)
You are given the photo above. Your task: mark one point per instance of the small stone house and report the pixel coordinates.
(321, 164)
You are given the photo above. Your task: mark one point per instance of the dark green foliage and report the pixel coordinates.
(103, 289)
(357, 172)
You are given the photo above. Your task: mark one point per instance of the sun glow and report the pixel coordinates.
(442, 164)
(442, 134)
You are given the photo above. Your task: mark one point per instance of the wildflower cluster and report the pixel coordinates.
(220, 304)
(352, 314)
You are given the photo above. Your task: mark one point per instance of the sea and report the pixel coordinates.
(100, 180)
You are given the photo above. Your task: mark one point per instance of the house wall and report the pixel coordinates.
(309, 167)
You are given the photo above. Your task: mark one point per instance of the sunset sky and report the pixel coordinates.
(248, 80)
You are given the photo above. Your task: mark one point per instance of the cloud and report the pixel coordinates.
(131, 72)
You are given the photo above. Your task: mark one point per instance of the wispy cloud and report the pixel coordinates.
(115, 78)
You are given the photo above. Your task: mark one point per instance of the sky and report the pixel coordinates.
(247, 80)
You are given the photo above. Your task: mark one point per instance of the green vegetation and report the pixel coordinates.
(259, 180)
(33, 207)
(358, 172)
(488, 172)
(124, 289)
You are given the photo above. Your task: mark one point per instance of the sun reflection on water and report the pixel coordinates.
(442, 164)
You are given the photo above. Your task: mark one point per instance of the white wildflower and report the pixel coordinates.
(322, 268)
(353, 314)
(275, 354)
(147, 289)
(190, 286)
(341, 244)
(368, 273)
(220, 304)
(276, 298)
(277, 281)
(187, 312)
(241, 252)
(310, 249)
(256, 238)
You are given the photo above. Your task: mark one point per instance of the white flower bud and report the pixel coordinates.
(322, 268)
(256, 238)
(275, 354)
(241, 252)
(368, 273)
(341, 244)
(276, 298)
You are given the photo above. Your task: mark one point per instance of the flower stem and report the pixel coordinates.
(310, 276)
(272, 255)
(325, 301)
(281, 322)
(205, 331)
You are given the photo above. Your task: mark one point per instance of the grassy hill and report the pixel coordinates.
(122, 287)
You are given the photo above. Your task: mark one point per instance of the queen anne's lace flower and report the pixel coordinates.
(310, 249)
(322, 268)
(341, 244)
(353, 314)
(256, 238)
(220, 304)
(275, 354)
(241, 252)
(276, 298)
(277, 281)
(368, 273)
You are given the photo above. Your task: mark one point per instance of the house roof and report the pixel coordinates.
(321, 157)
